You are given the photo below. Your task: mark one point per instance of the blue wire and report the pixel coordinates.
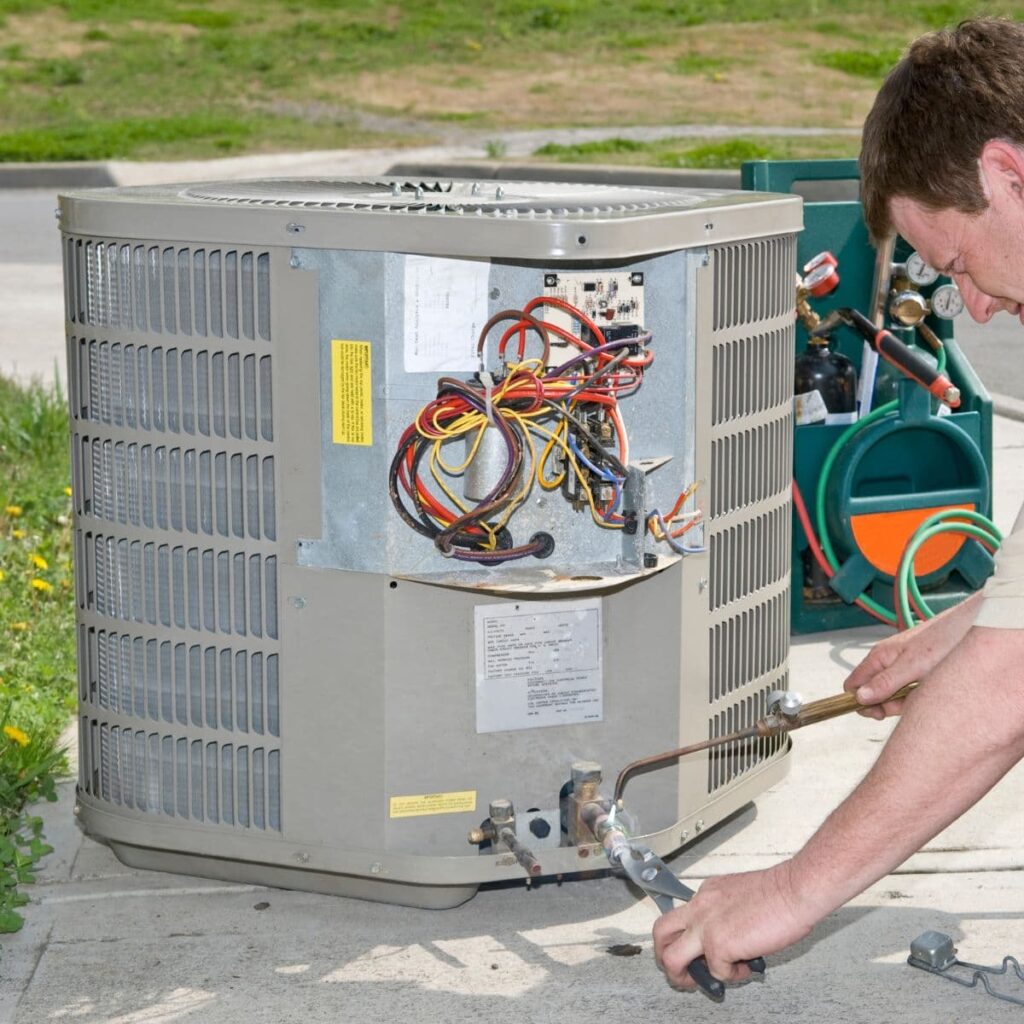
(682, 549)
(603, 473)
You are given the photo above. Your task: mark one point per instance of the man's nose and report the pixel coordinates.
(982, 307)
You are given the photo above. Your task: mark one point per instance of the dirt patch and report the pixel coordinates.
(48, 34)
(764, 75)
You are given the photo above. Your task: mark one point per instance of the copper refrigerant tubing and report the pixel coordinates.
(774, 724)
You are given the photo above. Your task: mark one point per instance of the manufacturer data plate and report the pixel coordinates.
(538, 663)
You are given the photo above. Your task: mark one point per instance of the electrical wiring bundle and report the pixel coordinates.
(531, 424)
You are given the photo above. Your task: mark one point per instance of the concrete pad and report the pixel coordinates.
(216, 953)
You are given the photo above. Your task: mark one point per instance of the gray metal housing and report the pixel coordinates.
(268, 657)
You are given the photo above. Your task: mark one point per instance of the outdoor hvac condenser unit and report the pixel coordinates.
(395, 500)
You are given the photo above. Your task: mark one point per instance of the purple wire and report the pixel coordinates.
(640, 339)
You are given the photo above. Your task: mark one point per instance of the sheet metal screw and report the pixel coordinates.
(294, 262)
(295, 229)
(698, 827)
(376, 868)
(702, 584)
(683, 836)
(302, 857)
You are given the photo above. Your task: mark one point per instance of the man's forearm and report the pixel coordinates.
(961, 732)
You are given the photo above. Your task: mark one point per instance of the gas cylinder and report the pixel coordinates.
(825, 392)
(825, 385)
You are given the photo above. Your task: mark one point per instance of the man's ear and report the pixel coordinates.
(1001, 166)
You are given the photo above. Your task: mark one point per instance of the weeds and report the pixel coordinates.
(37, 636)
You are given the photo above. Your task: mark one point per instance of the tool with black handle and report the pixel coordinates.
(650, 873)
(910, 363)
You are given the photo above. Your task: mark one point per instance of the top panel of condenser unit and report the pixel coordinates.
(526, 220)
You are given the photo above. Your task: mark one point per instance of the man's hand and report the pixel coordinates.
(731, 919)
(907, 657)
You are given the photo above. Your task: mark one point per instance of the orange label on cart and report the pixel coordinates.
(882, 538)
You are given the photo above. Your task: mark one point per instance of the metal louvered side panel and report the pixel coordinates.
(202, 685)
(728, 762)
(149, 287)
(216, 591)
(174, 484)
(175, 776)
(749, 525)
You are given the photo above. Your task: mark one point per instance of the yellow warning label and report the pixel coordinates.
(433, 803)
(351, 393)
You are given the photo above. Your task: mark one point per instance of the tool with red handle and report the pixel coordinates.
(893, 351)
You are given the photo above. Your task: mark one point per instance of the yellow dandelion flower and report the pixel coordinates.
(19, 627)
(18, 534)
(42, 586)
(3, 575)
(38, 561)
(14, 733)
(13, 510)
(67, 491)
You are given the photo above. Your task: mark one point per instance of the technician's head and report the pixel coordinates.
(942, 159)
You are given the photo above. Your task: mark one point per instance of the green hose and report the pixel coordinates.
(979, 527)
(819, 499)
(983, 528)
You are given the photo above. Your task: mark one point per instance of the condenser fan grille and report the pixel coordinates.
(510, 199)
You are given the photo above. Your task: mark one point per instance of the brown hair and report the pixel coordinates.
(951, 92)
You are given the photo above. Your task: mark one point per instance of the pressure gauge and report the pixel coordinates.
(816, 261)
(908, 308)
(919, 272)
(822, 280)
(947, 302)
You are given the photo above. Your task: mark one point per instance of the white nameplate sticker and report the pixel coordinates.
(538, 663)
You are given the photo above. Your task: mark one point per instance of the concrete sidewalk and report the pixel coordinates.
(105, 943)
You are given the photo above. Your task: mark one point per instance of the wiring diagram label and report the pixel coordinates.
(445, 309)
(351, 394)
(538, 664)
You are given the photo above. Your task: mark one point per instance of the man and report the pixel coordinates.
(942, 164)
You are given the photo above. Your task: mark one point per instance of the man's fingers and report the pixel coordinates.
(677, 957)
(874, 712)
(881, 657)
(725, 970)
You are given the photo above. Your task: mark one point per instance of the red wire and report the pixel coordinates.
(819, 555)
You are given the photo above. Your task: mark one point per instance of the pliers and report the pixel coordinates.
(644, 867)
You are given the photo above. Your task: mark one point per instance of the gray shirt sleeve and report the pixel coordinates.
(1002, 603)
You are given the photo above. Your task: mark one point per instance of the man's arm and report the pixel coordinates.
(959, 734)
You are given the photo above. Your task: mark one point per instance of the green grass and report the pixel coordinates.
(698, 64)
(729, 153)
(37, 634)
(865, 63)
(172, 78)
